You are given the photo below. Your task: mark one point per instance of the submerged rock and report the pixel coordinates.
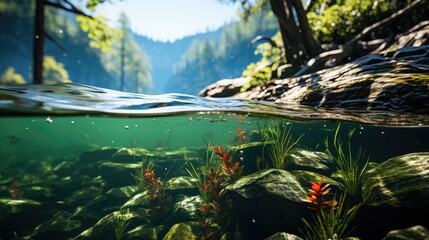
(186, 207)
(415, 233)
(105, 228)
(123, 192)
(237, 236)
(118, 174)
(147, 233)
(401, 181)
(138, 200)
(8, 206)
(283, 236)
(272, 200)
(185, 230)
(182, 184)
(60, 225)
(320, 162)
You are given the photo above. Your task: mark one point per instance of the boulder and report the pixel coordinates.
(416, 233)
(185, 230)
(61, 225)
(283, 236)
(396, 81)
(186, 207)
(319, 162)
(182, 184)
(401, 181)
(106, 226)
(8, 206)
(272, 200)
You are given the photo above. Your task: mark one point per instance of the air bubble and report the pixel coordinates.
(49, 120)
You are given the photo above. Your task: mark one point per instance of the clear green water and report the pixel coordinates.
(58, 178)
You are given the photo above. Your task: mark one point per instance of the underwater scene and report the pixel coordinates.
(88, 163)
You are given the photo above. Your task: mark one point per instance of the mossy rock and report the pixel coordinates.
(283, 236)
(273, 200)
(401, 181)
(302, 159)
(186, 207)
(182, 184)
(416, 233)
(105, 227)
(185, 230)
(8, 206)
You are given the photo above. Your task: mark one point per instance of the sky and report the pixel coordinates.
(169, 20)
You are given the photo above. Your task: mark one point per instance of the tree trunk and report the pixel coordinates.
(38, 43)
(298, 40)
(311, 45)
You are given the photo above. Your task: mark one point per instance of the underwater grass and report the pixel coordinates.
(200, 176)
(332, 224)
(140, 172)
(350, 171)
(281, 143)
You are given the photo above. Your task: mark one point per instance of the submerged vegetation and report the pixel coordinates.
(280, 142)
(206, 191)
(350, 168)
(335, 222)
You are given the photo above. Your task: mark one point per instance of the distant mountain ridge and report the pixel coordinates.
(164, 55)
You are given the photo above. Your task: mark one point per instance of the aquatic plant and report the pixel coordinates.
(350, 170)
(139, 176)
(214, 210)
(160, 203)
(232, 169)
(240, 137)
(200, 176)
(281, 143)
(327, 224)
(216, 205)
(317, 198)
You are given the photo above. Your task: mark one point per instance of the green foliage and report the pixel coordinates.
(327, 225)
(342, 20)
(350, 169)
(54, 72)
(11, 77)
(266, 67)
(208, 60)
(12, 7)
(102, 36)
(200, 174)
(281, 142)
(137, 68)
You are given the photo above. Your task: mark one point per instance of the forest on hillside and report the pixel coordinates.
(268, 43)
(123, 60)
(70, 55)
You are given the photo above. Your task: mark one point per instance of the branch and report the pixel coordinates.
(72, 8)
(260, 38)
(315, 63)
(309, 4)
(55, 42)
(387, 20)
